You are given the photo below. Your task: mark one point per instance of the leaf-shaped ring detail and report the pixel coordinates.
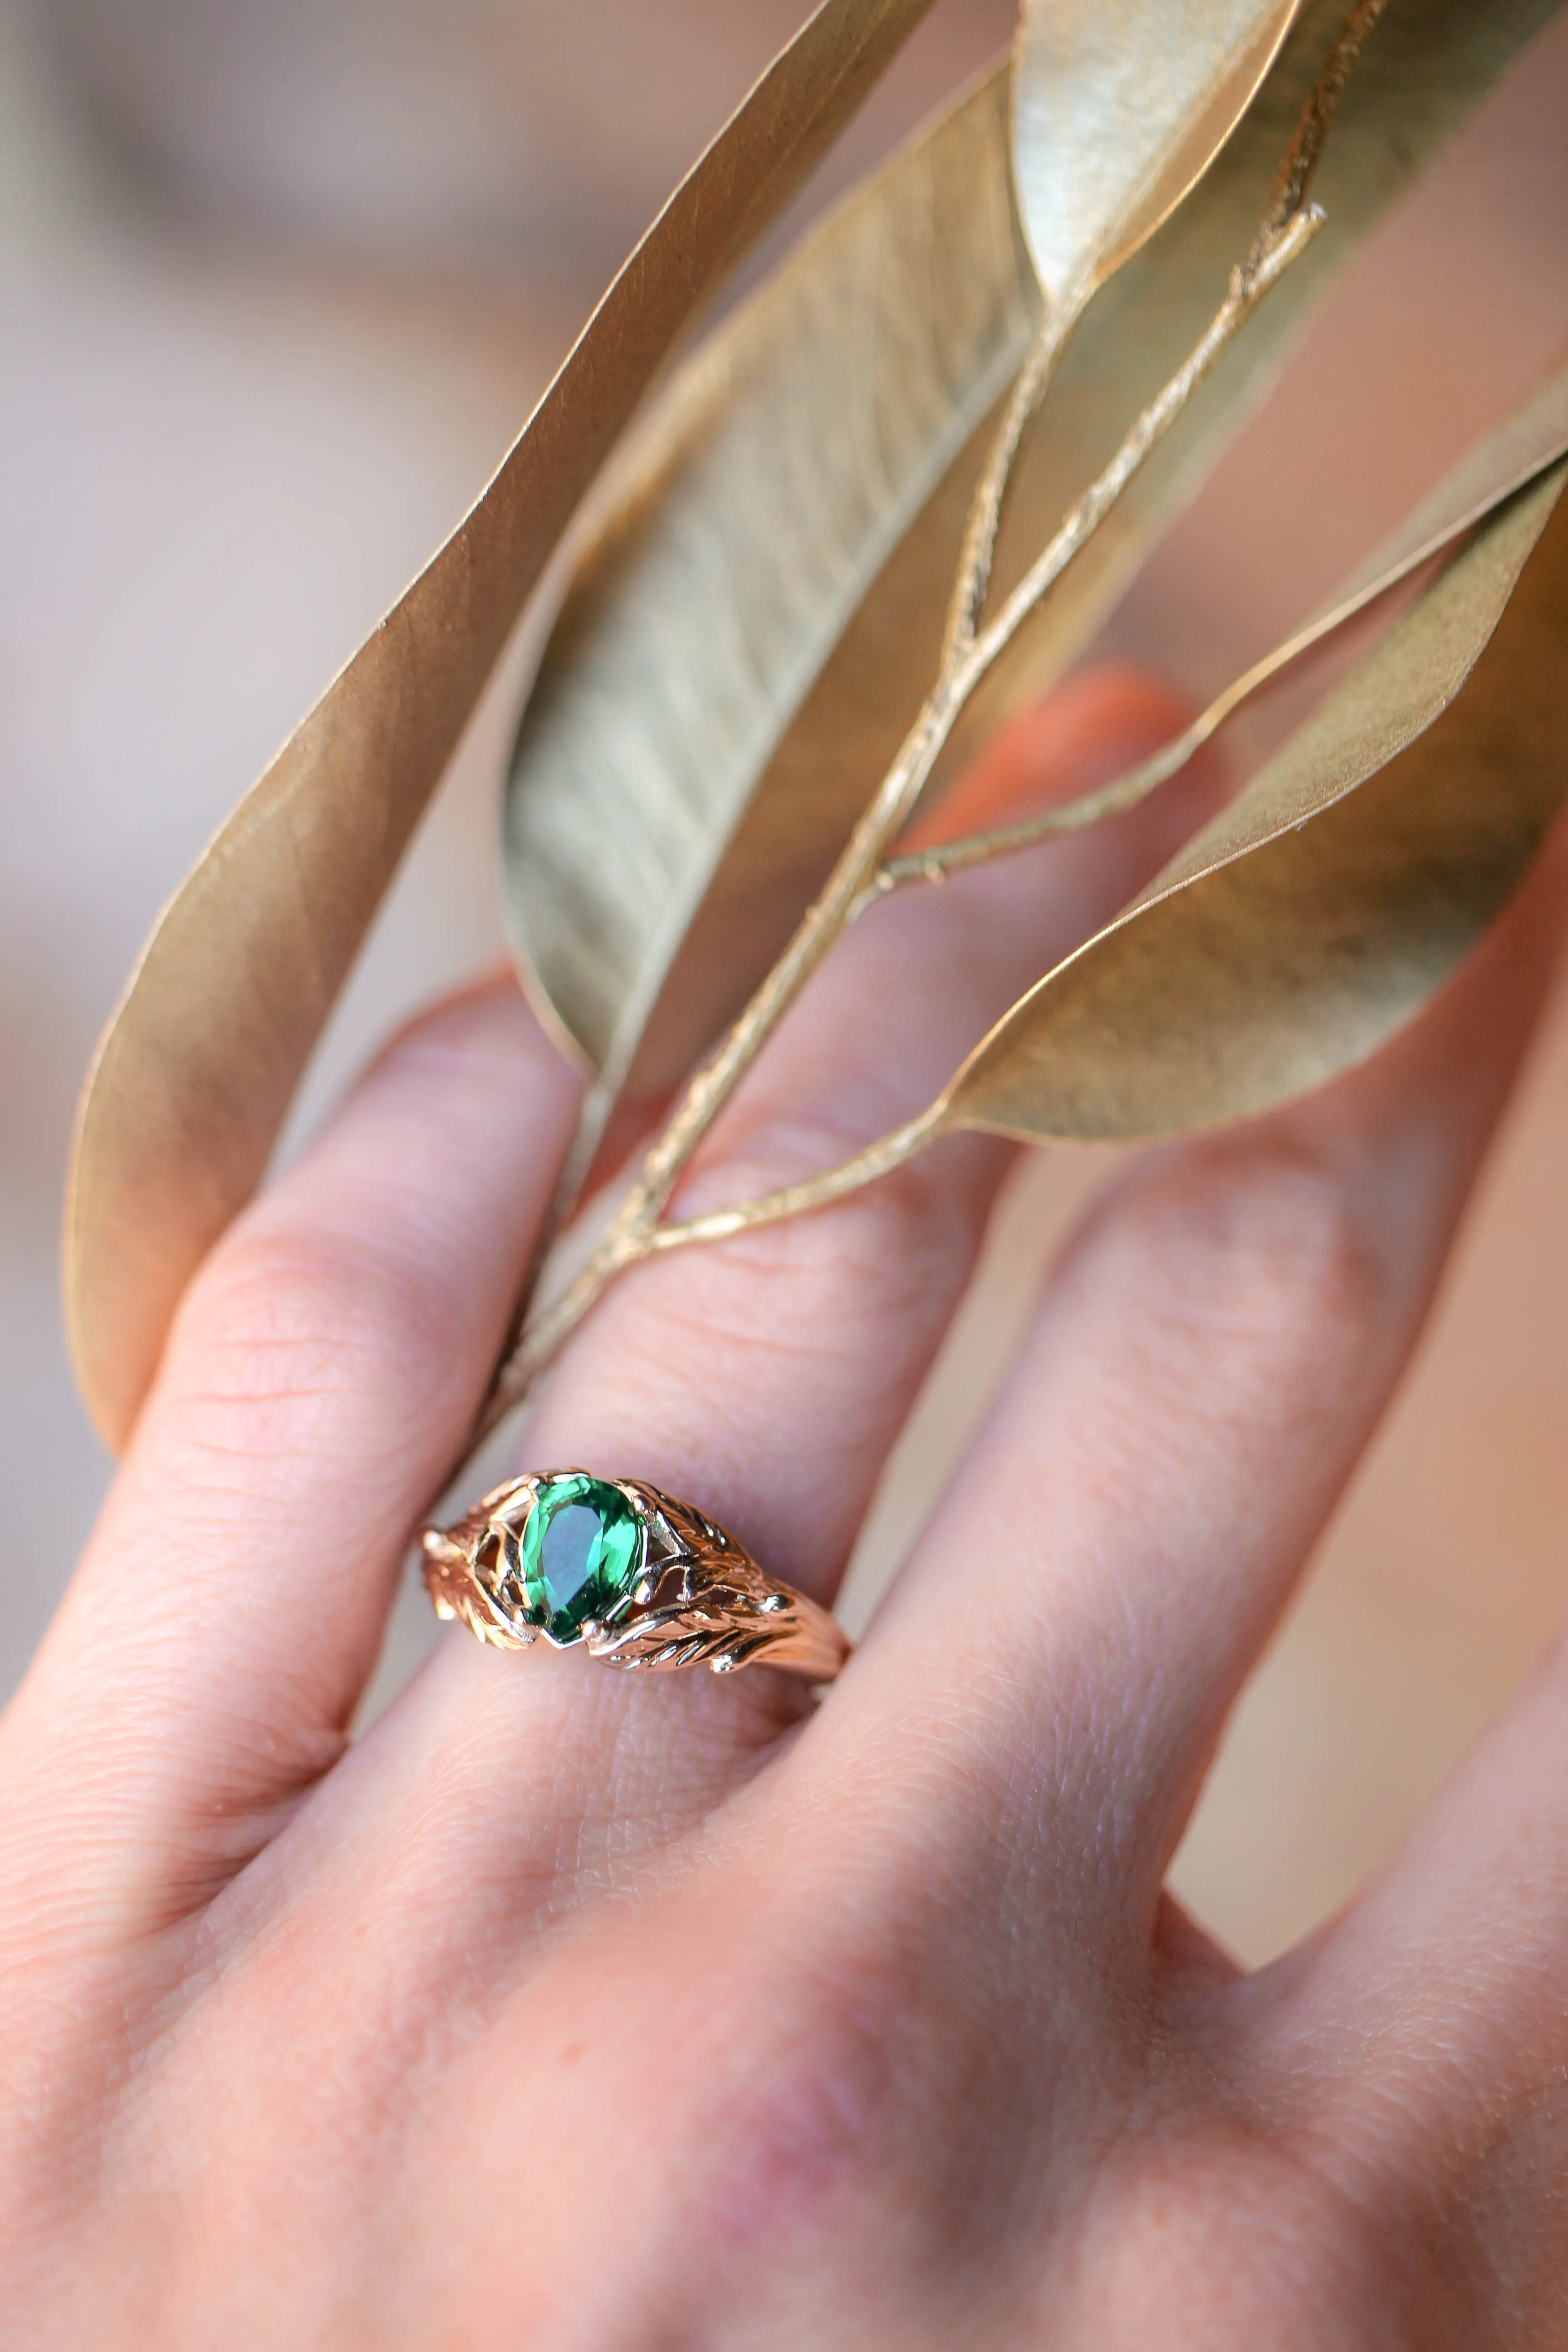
(632, 1574)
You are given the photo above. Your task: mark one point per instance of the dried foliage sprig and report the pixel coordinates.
(969, 651)
(814, 522)
(634, 1230)
(1505, 462)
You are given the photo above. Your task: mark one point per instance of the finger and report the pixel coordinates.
(851, 1303)
(1422, 2041)
(1206, 1365)
(764, 1378)
(1438, 2005)
(318, 1378)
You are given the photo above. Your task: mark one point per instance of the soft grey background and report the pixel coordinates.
(280, 280)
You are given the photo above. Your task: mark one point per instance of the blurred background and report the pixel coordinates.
(280, 280)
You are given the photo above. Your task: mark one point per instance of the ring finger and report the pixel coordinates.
(764, 1378)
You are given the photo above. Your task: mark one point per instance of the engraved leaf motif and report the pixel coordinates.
(705, 1603)
(1320, 911)
(720, 1639)
(719, 1621)
(198, 1065)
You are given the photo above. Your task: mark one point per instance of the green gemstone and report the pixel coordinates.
(581, 1547)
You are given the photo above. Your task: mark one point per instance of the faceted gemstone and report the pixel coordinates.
(581, 1547)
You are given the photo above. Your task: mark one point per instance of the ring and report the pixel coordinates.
(629, 1574)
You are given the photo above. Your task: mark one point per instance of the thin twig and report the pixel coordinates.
(1135, 784)
(632, 1232)
(1287, 228)
(1286, 204)
(1250, 282)
(1124, 791)
(866, 1167)
(1294, 180)
(990, 497)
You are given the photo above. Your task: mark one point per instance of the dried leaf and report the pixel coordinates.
(754, 623)
(1119, 107)
(1423, 68)
(780, 471)
(199, 1064)
(1318, 913)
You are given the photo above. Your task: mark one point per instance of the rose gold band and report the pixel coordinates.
(690, 1596)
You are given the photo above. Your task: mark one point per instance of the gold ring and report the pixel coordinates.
(617, 1566)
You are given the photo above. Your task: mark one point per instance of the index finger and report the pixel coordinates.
(322, 1374)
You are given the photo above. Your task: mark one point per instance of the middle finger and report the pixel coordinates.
(764, 1378)
(1207, 1364)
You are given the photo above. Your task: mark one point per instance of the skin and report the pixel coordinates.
(572, 2009)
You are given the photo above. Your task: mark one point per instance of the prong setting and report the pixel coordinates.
(681, 1592)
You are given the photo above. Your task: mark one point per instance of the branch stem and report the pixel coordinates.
(1250, 282)
(630, 1234)
(865, 1166)
(1134, 785)
(990, 497)
(634, 1231)
(1124, 791)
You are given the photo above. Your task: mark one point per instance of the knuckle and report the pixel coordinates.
(858, 1256)
(803, 2139)
(1226, 2238)
(282, 1327)
(1266, 1251)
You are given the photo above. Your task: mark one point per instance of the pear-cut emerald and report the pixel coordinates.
(581, 1547)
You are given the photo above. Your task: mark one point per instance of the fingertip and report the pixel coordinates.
(488, 1026)
(321, 1375)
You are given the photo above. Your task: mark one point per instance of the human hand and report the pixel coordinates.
(569, 2009)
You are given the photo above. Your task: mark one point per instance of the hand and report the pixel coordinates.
(569, 2009)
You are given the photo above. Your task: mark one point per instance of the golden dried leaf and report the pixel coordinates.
(200, 1062)
(1423, 68)
(776, 476)
(1120, 106)
(1318, 913)
(760, 610)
